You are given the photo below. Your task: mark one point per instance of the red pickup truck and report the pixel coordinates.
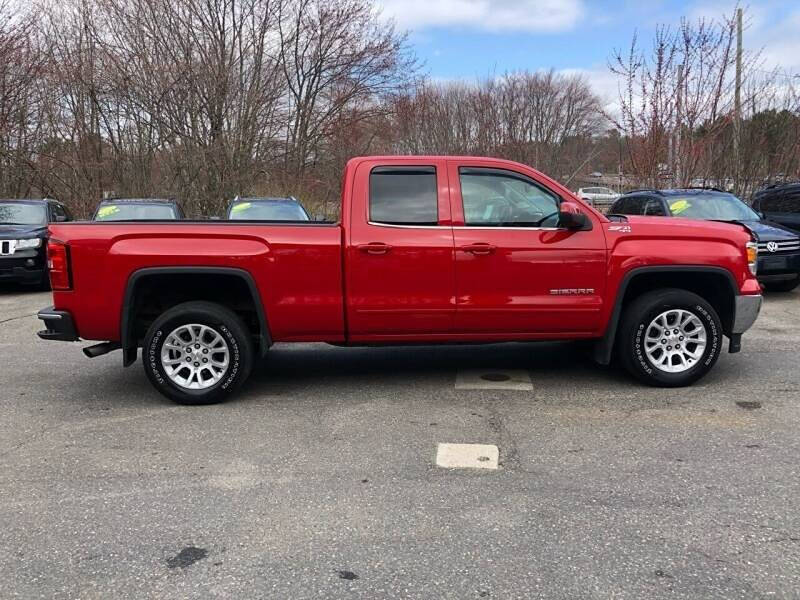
(429, 249)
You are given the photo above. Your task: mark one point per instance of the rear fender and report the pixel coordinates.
(128, 317)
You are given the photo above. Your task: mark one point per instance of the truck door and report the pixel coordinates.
(517, 272)
(399, 261)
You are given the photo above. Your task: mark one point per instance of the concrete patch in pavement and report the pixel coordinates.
(467, 456)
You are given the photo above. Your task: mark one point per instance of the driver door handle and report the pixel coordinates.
(375, 248)
(479, 248)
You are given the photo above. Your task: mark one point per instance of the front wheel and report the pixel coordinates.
(197, 353)
(669, 338)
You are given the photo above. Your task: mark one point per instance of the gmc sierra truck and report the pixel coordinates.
(429, 249)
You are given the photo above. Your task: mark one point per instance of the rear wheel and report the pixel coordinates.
(669, 338)
(782, 286)
(197, 353)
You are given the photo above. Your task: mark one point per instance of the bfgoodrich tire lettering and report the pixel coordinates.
(213, 318)
(633, 339)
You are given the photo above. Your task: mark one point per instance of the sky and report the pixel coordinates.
(471, 39)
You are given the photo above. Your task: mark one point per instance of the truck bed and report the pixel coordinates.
(306, 258)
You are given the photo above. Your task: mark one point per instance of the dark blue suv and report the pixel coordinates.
(23, 238)
(778, 247)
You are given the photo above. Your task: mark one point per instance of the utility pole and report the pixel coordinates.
(737, 109)
(678, 125)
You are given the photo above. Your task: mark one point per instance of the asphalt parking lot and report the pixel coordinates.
(319, 480)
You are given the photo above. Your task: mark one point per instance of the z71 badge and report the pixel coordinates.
(620, 228)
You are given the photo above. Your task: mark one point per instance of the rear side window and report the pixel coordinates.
(785, 202)
(403, 196)
(59, 212)
(629, 206)
(654, 208)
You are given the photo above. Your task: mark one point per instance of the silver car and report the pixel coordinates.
(599, 197)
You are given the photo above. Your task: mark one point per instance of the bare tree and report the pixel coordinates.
(531, 117)
(21, 66)
(676, 103)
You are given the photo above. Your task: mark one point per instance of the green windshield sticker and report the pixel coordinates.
(107, 211)
(241, 206)
(679, 206)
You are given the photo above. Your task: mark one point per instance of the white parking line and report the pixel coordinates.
(493, 379)
(467, 456)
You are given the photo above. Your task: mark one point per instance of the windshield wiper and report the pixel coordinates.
(737, 221)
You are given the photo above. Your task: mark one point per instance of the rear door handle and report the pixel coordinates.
(480, 249)
(375, 248)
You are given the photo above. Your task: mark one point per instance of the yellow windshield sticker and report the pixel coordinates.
(241, 206)
(107, 211)
(679, 206)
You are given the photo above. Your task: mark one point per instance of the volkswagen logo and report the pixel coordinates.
(772, 246)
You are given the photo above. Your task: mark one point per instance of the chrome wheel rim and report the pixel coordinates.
(675, 341)
(195, 356)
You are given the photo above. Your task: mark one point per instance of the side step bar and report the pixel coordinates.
(100, 349)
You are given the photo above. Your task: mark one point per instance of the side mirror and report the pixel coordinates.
(571, 217)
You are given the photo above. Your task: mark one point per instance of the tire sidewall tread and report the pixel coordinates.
(221, 319)
(641, 312)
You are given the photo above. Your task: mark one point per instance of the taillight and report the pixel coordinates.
(58, 265)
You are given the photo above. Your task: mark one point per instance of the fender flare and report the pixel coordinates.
(605, 345)
(127, 341)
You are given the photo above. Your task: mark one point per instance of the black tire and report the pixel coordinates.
(222, 321)
(782, 286)
(636, 320)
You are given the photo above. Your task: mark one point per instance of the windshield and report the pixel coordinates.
(716, 206)
(20, 213)
(135, 212)
(267, 211)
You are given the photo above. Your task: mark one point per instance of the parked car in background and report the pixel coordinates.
(599, 197)
(429, 249)
(138, 209)
(266, 209)
(23, 238)
(780, 203)
(779, 247)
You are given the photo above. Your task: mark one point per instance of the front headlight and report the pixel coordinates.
(32, 243)
(752, 257)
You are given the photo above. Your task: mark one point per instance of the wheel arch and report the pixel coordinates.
(714, 284)
(139, 278)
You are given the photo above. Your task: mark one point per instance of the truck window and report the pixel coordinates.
(403, 196)
(784, 201)
(633, 205)
(654, 208)
(495, 198)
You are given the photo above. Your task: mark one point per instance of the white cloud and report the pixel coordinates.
(603, 83)
(768, 29)
(779, 43)
(489, 15)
